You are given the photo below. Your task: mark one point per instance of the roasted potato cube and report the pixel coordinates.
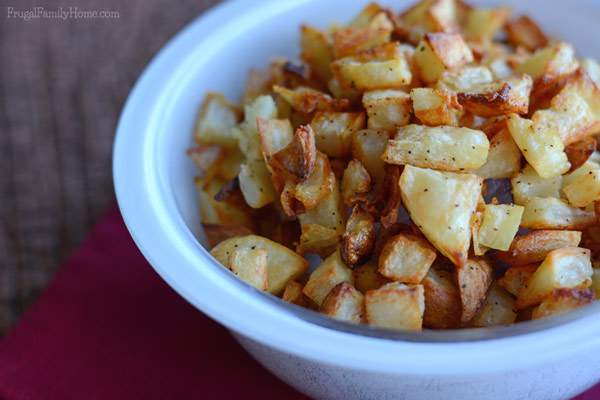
(345, 303)
(316, 52)
(523, 31)
(216, 233)
(592, 68)
(406, 258)
(384, 67)
(465, 79)
(516, 278)
(429, 16)
(356, 182)
(434, 107)
(367, 147)
(308, 100)
(329, 274)
(441, 205)
(387, 109)
(542, 148)
(250, 266)
(396, 306)
(445, 148)
(500, 98)
(327, 213)
(565, 268)
(562, 301)
(596, 282)
(283, 264)
(586, 168)
(274, 135)
(216, 120)
(255, 183)
(443, 306)
(298, 160)
(350, 40)
(552, 213)
(527, 184)
(334, 130)
(358, 240)
(227, 212)
(366, 15)
(584, 190)
(317, 239)
(439, 52)
(500, 225)
(366, 277)
(249, 141)
(474, 279)
(293, 294)
(558, 59)
(504, 158)
(574, 112)
(497, 309)
(482, 24)
(579, 152)
(533, 246)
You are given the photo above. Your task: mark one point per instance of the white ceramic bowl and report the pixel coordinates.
(549, 359)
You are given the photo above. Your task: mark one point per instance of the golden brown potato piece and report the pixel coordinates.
(523, 31)
(579, 152)
(316, 52)
(367, 147)
(387, 109)
(534, 246)
(329, 274)
(584, 190)
(516, 278)
(250, 265)
(442, 300)
(438, 52)
(384, 67)
(542, 148)
(317, 239)
(441, 205)
(215, 121)
(263, 107)
(274, 135)
(434, 107)
(366, 277)
(497, 309)
(334, 130)
(255, 184)
(527, 184)
(392, 199)
(298, 158)
(308, 100)
(216, 233)
(356, 182)
(444, 148)
(482, 24)
(283, 264)
(500, 225)
(328, 213)
(230, 211)
(474, 279)
(396, 306)
(504, 157)
(501, 98)
(358, 240)
(562, 301)
(293, 294)
(348, 41)
(345, 303)
(567, 268)
(549, 63)
(552, 213)
(406, 258)
(429, 16)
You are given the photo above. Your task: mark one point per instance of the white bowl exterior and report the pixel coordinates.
(154, 186)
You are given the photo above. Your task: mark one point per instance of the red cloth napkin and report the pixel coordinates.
(109, 328)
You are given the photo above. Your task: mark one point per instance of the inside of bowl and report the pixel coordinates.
(255, 38)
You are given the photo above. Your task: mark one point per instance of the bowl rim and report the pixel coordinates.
(151, 216)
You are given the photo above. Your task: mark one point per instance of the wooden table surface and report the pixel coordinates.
(62, 86)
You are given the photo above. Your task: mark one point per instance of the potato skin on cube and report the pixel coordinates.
(283, 264)
(534, 246)
(406, 258)
(443, 306)
(345, 303)
(474, 279)
(441, 204)
(331, 272)
(367, 277)
(356, 182)
(565, 268)
(396, 306)
(358, 240)
(444, 148)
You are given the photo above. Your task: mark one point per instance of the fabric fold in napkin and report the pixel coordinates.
(108, 327)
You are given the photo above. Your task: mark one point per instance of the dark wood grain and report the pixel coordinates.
(62, 86)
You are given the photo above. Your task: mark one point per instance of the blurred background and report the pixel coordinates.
(63, 82)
